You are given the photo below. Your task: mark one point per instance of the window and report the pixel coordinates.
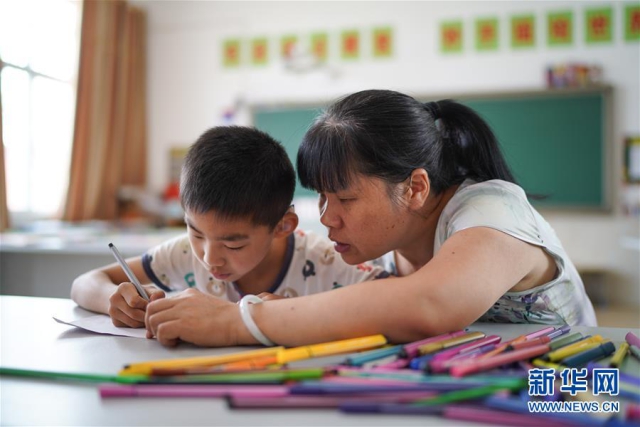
(38, 59)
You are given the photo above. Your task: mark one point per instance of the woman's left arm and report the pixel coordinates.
(473, 268)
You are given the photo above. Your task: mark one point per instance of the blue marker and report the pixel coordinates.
(421, 362)
(603, 350)
(518, 406)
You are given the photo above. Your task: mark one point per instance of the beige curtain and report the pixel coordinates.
(109, 144)
(4, 211)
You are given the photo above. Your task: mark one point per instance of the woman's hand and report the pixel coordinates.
(198, 318)
(127, 307)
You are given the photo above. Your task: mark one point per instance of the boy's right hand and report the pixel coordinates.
(127, 308)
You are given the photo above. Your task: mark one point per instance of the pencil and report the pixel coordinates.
(128, 271)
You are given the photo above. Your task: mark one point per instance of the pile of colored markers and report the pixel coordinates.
(549, 376)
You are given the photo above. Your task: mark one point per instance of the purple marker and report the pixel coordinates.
(623, 376)
(560, 331)
(325, 401)
(180, 390)
(379, 372)
(390, 408)
(632, 339)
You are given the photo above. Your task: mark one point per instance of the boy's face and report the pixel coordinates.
(228, 249)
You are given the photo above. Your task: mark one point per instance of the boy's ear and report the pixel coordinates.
(287, 224)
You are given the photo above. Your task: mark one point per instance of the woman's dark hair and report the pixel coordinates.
(238, 172)
(387, 135)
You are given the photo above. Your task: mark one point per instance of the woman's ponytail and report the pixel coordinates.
(469, 144)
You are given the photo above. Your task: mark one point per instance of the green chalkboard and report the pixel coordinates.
(554, 141)
(288, 126)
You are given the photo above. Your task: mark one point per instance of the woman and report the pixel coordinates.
(425, 187)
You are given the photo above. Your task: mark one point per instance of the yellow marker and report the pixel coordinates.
(580, 346)
(539, 363)
(144, 368)
(329, 348)
(450, 342)
(619, 355)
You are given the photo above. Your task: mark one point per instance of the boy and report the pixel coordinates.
(236, 188)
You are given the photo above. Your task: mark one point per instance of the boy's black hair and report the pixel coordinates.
(238, 172)
(387, 135)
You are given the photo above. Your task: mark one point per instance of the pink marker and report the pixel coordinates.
(369, 380)
(439, 366)
(179, 390)
(633, 412)
(396, 364)
(540, 333)
(498, 360)
(632, 339)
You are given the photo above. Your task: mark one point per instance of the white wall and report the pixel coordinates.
(189, 89)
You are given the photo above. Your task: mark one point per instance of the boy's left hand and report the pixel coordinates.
(194, 317)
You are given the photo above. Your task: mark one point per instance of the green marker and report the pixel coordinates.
(98, 378)
(564, 341)
(473, 393)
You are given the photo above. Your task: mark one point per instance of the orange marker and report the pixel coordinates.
(530, 343)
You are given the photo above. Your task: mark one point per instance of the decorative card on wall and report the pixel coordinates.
(259, 51)
(632, 22)
(451, 37)
(599, 25)
(287, 45)
(382, 42)
(231, 52)
(320, 45)
(350, 45)
(560, 28)
(523, 31)
(487, 34)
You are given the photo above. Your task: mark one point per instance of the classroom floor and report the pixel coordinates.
(618, 317)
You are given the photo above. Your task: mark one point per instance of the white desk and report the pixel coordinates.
(31, 339)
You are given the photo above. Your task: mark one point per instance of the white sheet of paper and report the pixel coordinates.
(102, 324)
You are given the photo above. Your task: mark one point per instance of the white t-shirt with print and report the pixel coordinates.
(503, 206)
(311, 266)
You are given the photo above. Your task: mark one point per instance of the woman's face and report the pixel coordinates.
(363, 221)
